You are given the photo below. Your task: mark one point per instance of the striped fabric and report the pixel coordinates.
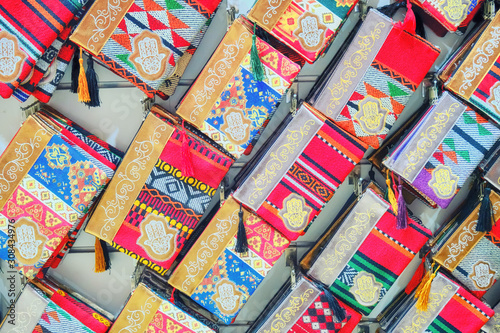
(28, 31)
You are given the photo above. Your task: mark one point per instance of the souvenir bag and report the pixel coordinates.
(156, 315)
(472, 74)
(470, 255)
(299, 170)
(443, 149)
(49, 180)
(227, 102)
(27, 33)
(144, 41)
(366, 253)
(43, 307)
(372, 82)
(305, 307)
(491, 166)
(493, 325)
(453, 16)
(450, 308)
(215, 274)
(163, 187)
(306, 26)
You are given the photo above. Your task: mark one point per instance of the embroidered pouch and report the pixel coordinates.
(225, 102)
(453, 15)
(493, 325)
(475, 78)
(44, 308)
(367, 253)
(214, 275)
(451, 308)
(152, 207)
(49, 180)
(144, 41)
(473, 257)
(373, 81)
(27, 32)
(157, 315)
(443, 149)
(300, 168)
(308, 27)
(304, 308)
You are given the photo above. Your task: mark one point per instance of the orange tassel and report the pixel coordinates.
(83, 87)
(424, 292)
(390, 195)
(100, 263)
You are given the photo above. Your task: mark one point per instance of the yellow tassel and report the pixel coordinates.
(390, 195)
(83, 88)
(100, 264)
(423, 297)
(422, 283)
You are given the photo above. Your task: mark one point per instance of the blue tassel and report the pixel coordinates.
(337, 310)
(402, 218)
(485, 218)
(241, 235)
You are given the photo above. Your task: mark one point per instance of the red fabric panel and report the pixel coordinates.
(411, 238)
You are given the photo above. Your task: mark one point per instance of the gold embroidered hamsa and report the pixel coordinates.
(28, 242)
(295, 213)
(371, 115)
(366, 290)
(482, 275)
(310, 32)
(227, 297)
(455, 10)
(11, 57)
(149, 56)
(443, 182)
(158, 239)
(236, 126)
(494, 99)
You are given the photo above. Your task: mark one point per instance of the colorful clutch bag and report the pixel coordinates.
(49, 180)
(145, 311)
(304, 308)
(226, 102)
(367, 253)
(373, 81)
(144, 41)
(28, 32)
(471, 256)
(476, 78)
(493, 325)
(450, 309)
(42, 308)
(308, 27)
(443, 149)
(299, 171)
(217, 277)
(153, 204)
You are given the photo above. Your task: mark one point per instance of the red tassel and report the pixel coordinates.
(187, 161)
(172, 298)
(402, 218)
(410, 22)
(417, 277)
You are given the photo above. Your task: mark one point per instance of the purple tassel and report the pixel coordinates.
(402, 217)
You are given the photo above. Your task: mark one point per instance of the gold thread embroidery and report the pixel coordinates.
(278, 158)
(421, 317)
(158, 239)
(286, 315)
(428, 137)
(149, 56)
(236, 126)
(366, 289)
(444, 182)
(371, 115)
(455, 249)
(352, 65)
(227, 297)
(455, 10)
(295, 213)
(29, 242)
(482, 276)
(346, 241)
(310, 32)
(271, 10)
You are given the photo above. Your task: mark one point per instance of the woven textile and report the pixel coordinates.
(215, 275)
(476, 78)
(451, 14)
(225, 102)
(157, 315)
(373, 81)
(299, 172)
(304, 309)
(473, 257)
(443, 150)
(367, 254)
(28, 30)
(451, 309)
(147, 39)
(162, 206)
(49, 181)
(306, 26)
